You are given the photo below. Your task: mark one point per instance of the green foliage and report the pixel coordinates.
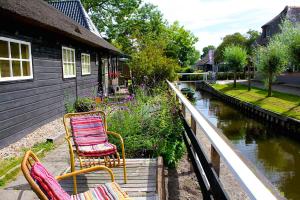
(271, 61)
(236, 59)
(181, 45)
(84, 105)
(205, 50)
(151, 66)
(185, 70)
(290, 36)
(150, 127)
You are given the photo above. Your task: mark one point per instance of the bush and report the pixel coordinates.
(84, 105)
(150, 127)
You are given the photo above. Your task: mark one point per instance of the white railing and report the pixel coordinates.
(200, 73)
(252, 185)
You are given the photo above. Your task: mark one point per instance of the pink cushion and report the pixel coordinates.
(88, 130)
(48, 183)
(103, 149)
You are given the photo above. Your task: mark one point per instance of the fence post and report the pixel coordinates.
(215, 160)
(183, 109)
(193, 125)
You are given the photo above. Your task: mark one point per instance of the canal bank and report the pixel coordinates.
(288, 125)
(276, 156)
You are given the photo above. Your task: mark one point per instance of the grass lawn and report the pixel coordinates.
(281, 103)
(7, 164)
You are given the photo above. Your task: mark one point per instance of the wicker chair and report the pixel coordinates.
(29, 162)
(85, 160)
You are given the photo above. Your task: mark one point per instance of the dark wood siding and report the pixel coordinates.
(28, 104)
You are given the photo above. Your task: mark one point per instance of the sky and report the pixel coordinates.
(210, 20)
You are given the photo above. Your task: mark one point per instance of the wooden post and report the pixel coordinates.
(193, 125)
(215, 160)
(183, 110)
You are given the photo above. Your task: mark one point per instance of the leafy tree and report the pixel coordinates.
(150, 65)
(205, 50)
(181, 45)
(271, 61)
(109, 15)
(290, 36)
(236, 59)
(236, 39)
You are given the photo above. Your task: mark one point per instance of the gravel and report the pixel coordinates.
(39, 135)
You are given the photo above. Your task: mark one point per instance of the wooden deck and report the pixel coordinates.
(142, 174)
(141, 183)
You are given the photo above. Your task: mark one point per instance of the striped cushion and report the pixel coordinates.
(48, 183)
(88, 130)
(103, 149)
(109, 191)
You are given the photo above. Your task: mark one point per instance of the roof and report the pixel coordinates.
(208, 59)
(40, 13)
(290, 12)
(75, 10)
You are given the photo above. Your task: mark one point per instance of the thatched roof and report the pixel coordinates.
(207, 60)
(40, 13)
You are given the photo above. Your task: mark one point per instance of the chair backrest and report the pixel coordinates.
(27, 163)
(68, 116)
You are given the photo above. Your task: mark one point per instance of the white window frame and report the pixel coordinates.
(85, 64)
(66, 62)
(20, 59)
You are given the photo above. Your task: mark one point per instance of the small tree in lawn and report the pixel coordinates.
(236, 58)
(271, 61)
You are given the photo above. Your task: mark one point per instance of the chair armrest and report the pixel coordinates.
(87, 170)
(116, 135)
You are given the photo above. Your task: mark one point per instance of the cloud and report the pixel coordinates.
(210, 20)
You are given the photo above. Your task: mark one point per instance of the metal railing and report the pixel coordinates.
(253, 186)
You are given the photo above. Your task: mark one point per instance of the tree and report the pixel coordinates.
(205, 50)
(271, 61)
(150, 65)
(109, 15)
(236, 39)
(236, 59)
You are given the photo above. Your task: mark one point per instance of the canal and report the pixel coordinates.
(275, 155)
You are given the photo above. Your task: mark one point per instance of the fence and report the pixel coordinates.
(207, 171)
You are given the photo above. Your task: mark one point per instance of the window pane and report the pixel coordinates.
(3, 49)
(16, 66)
(15, 51)
(4, 68)
(70, 56)
(64, 55)
(73, 69)
(26, 68)
(25, 51)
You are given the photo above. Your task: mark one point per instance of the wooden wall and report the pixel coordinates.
(28, 104)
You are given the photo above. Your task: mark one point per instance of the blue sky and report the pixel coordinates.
(210, 20)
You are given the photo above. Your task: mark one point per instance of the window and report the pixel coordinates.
(15, 60)
(69, 66)
(85, 63)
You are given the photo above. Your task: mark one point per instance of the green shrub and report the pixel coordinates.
(84, 105)
(150, 126)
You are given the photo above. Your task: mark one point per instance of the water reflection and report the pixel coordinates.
(276, 156)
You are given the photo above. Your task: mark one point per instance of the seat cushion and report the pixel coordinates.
(48, 183)
(108, 191)
(103, 149)
(88, 130)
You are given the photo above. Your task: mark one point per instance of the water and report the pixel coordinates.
(275, 155)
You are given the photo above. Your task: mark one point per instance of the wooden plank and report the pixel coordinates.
(160, 178)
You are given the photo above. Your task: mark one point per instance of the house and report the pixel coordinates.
(47, 59)
(75, 10)
(269, 29)
(207, 62)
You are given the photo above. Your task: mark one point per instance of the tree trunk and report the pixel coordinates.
(270, 85)
(249, 78)
(234, 79)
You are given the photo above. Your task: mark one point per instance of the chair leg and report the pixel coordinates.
(74, 177)
(124, 167)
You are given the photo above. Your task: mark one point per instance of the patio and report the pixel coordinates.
(144, 177)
